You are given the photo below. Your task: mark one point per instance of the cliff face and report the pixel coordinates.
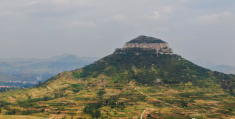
(136, 51)
(146, 45)
(145, 42)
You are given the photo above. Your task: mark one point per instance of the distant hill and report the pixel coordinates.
(19, 69)
(138, 83)
(215, 67)
(224, 68)
(70, 58)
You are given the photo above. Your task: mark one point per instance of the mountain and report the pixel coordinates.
(224, 68)
(16, 70)
(70, 58)
(133, 82)
(215, 67)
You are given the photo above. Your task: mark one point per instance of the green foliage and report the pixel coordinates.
(188, 94)
(101, 92)
(11, 112)
(146, 39)
(223, 111)
(166, 67)
(59, 94)
(213, 115)
(77, 75)
(77, 87)
(31, 102)
(3, 103)
(28, 112)
(93, 109)
(184, 103)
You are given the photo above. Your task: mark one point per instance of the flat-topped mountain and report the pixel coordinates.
(132, 83)
(145, 43)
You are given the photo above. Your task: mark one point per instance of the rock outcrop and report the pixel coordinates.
(147, 44)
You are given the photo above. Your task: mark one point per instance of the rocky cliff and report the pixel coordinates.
(144, 43)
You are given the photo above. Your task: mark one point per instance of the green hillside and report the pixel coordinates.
(128, 86)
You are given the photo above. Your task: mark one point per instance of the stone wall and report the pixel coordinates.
(136, 51)
(164, 47)
(146, 45)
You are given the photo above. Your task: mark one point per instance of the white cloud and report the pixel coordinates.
(163, 29)
(71, 3)
(173, 20)
(61, 1)
(116, 18)
(8, 14)
(213, 19)
(185, 0)
(156, 16)
(75, 24)
(32, 3)
(167, 10)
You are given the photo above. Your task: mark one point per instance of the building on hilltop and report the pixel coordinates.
(145, 43)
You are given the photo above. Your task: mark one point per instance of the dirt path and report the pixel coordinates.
(143, 114)
(52, 117)
(152, 98)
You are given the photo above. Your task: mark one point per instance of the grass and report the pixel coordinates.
(19, 117)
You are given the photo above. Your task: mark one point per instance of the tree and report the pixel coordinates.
(14, 111)
(97, 113)
(149, 115)
(184, 103)
(106, 102)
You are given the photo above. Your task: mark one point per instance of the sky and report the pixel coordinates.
(203, 29)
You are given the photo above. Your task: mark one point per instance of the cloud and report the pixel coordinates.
(222, 18)
(49, 13)
(32, 3)
(76, 24)
(163, 29)
(7, 16)
(167, 10)
(179, 22)
(116, 18)
(156, 16)
(185, 0)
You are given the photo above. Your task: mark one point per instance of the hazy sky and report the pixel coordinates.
(44, 28)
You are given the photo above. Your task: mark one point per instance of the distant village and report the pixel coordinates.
(23, 82)
(17, 84)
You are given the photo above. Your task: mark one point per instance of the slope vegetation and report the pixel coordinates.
(128, 86)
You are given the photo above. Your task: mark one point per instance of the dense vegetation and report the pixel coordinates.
(146, 39)
(146, 68)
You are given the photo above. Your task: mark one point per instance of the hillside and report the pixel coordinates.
(136, 84)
